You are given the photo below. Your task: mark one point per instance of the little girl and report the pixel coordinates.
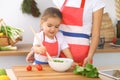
(52, 40)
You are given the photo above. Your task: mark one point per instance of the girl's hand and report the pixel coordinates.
(30, 57)
(40, 49)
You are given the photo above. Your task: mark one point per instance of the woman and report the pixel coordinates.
(81, 19)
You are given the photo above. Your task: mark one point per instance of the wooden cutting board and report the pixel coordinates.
(46, 74)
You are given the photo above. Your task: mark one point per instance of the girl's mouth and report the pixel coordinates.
(51, 32)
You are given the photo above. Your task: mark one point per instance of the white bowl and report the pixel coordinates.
(61, 66)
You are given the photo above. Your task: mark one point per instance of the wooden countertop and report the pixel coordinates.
(48, 74)
(108, 48)
(23, 49)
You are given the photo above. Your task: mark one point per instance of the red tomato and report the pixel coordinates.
(80, 64)
(39, 67)
(114, 40)
(29, 68)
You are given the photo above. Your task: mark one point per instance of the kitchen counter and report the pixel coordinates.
(108, 48)
(11, 74)
(48, 74)
(23, 49)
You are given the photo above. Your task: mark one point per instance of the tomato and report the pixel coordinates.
(39, 67)
(114, 40)
(29, 68)
(80, 64)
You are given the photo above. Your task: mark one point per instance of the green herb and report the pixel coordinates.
(89, 71)
(58, 61)
(30, 7)
(117, 41)
(6, 48)
(12, 32)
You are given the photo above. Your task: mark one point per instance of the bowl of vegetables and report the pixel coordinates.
(60, 64)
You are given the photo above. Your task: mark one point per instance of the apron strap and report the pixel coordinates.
(82, 3)
(44, 37)
(64, 2)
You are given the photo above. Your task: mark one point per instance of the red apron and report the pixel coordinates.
(74, 16)
(79, 52)
(52, 48)
(71, 15)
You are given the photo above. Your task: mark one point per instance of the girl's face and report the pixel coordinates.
(51, 26)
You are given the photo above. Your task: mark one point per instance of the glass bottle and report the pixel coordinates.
(118, 29)
(101, 42)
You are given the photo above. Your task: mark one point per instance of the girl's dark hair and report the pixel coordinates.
(51, 12)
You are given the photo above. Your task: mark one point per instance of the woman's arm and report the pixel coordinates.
(97, 19)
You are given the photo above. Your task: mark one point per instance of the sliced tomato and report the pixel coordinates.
(29, 68)
(39, 67)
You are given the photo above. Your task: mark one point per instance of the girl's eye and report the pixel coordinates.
(56, 26)
(49, 25)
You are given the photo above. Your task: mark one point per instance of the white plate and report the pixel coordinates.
(112, 44)
(112, 73)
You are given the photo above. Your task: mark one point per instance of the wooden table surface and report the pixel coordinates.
(108, 49)
(23, 49)
(48, 74)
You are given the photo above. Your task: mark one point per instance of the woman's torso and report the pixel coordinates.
(90, 7)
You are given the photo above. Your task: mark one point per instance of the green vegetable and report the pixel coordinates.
(30, 7)
(89, 71)
(117, 41)
(6, 48)
(78, 70)
(3, 72)
(12, 32)
(58, 61)
(89, 67)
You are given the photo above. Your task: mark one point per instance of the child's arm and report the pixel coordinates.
(30, 57)
(68, 54)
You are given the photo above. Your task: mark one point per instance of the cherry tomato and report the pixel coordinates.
(80, 64)
(29, 68)
(39, 67)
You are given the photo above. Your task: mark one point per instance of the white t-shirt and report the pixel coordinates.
(90, 7)
(62, 44)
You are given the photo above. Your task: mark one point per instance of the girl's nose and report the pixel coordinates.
(53, 28)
